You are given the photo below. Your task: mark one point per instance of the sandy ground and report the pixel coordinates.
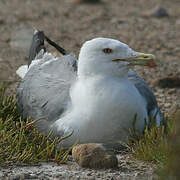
(71, 24)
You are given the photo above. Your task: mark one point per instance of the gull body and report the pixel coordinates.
(99, 101)
(103, 110)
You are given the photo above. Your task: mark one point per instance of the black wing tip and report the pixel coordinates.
(41, 36)
(56, 46)
(37, 45)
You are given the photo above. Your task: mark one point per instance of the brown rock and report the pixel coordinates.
(167, 82)
(94, 155)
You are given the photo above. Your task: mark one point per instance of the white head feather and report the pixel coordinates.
(93, 60)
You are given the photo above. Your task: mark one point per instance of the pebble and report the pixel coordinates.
(158, 12)
(93, 155)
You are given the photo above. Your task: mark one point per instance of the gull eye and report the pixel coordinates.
(107, 51)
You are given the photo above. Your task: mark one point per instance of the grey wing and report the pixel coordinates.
(44, 91)
(146, 92)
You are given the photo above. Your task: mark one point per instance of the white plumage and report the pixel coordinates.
(103, 100)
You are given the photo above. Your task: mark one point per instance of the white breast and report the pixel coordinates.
(103, 109)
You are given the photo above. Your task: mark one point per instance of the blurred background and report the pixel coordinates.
(145, 25)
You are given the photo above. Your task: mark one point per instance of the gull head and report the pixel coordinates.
(110, 57)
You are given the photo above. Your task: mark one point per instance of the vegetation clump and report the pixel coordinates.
(171, 169)
(159, 144)
(20, 142)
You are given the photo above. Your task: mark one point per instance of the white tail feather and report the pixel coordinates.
(21, 71)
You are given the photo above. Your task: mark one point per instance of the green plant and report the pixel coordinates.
(153, 144)
(171, 169)
(20, 142)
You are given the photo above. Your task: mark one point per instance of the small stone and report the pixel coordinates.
(94, 155)
(166, 105)
(159, 12)
(171, 91)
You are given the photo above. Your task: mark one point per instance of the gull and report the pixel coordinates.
(96, 96)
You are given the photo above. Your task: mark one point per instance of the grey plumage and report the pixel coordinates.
(44, 91)
(146, 92)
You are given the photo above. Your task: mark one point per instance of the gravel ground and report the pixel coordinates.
(128, 169)
(70, 24)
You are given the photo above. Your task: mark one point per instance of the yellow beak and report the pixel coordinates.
(141, 59)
